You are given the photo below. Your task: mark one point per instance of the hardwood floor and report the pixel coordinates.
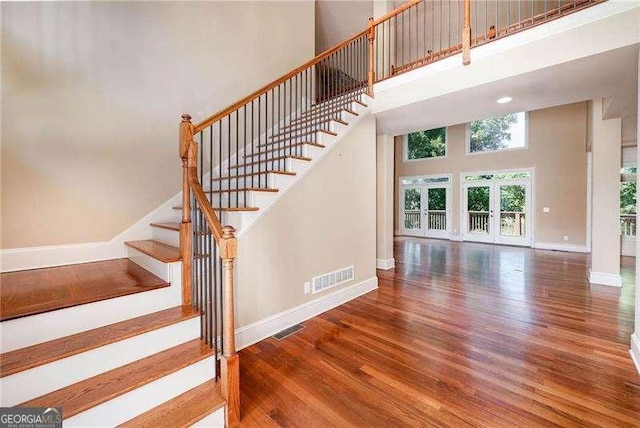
(35, 291)
(458, 334)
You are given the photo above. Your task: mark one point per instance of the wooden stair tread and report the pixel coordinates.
(290, 135)
(158, 250)
(36, 291)
(319, 113)
(182, 411)
(249, 174)
(96, 390)
(47, 352)
(310, 122)
(301, 158)
(244, 189)
(264, 152)
(232, 209)
(169, 225)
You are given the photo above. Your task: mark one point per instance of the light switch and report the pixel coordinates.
(545, 209)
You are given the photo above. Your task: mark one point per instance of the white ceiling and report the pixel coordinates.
(613, 74)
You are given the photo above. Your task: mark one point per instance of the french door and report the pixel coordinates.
(497, 212)
(425, 210)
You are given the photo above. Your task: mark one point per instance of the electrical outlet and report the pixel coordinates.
(545, 209)
(307, 287)
(566, 238)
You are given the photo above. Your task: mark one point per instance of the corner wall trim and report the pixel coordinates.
(260, 330)
(572, 248)
(635, 350)
(603, 278)
(385, 264)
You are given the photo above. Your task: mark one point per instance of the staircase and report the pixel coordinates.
(150, 340)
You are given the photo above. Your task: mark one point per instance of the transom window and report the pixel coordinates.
(427, 144)
(426, 179)
(497, 133)
(498, 176)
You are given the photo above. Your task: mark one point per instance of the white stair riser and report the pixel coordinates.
(338, 114)
(32, 383)
(304, 150)
(22, 332)
(290, 164)
(214, 420)
(266, 180)
(170, 272)
(127, 406)
(330, 108)
(167, 236)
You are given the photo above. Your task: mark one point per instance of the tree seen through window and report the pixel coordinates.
(427, 144)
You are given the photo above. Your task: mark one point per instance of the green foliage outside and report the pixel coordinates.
(628, 197)
(412, 199)
(478, 199)
(427, 144)
(437, 199)
(512, 198)
(490, 134)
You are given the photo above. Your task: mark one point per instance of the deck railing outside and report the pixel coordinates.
(628, 224)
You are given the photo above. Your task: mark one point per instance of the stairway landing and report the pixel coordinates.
(36, 291)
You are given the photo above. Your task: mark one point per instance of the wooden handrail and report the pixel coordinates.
(235, 106)
(396, 11)
(205, 206)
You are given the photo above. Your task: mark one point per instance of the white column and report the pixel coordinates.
(605, 217)
(635, 337)
(384, 202)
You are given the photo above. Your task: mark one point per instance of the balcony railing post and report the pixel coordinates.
(371, 36)
(187, 155)
(230, 364)
(466, 34)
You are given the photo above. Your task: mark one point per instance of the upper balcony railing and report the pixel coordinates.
(423, 31)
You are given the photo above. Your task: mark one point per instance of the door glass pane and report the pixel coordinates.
(412, 218)
(512, 215)
(437, 215)
(478, 210)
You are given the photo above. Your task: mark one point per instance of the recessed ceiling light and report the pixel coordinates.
(504, 100)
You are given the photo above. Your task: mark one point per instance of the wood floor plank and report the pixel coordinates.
(36, 291)
(458, 334)
(43, 353)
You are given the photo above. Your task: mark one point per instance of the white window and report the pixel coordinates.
(506, 132)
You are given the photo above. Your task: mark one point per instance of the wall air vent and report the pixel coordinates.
(331, 279)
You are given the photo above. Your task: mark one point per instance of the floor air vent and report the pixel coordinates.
(331, 279)
(287, 332)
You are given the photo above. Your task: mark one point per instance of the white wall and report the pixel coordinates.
(92, 94)
(325, 223)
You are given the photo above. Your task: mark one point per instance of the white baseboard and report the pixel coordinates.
(260, 330)
(385, 264)
(456, 238)
(635, 350)
(603, 278)
(573, 248)
(16, 259)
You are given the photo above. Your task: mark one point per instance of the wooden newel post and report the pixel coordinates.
(371, 36)
(187, 154)
(466, 34)
(230, 363)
